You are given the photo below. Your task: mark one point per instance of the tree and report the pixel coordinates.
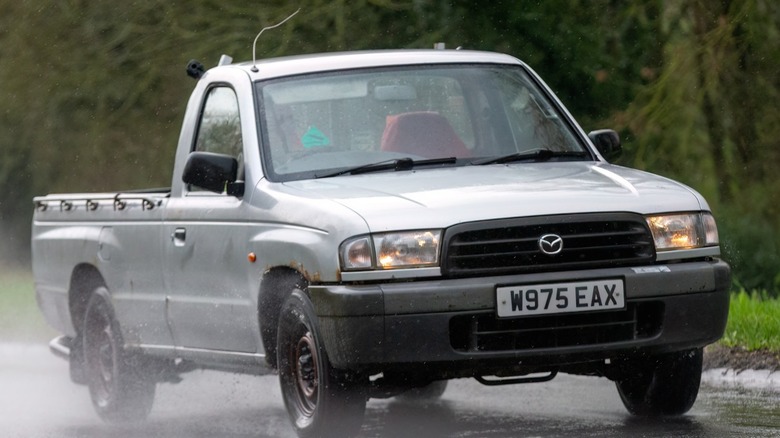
(713, 108)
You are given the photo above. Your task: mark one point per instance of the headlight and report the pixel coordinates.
(683, 231)
(407, 249)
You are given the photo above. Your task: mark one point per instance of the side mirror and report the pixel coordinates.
(607, 142)
(210, 171)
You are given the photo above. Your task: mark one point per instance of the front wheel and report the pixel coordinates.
(321, 401)
(663, 385)
(119, 389)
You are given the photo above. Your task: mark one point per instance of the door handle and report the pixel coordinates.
(179, 236)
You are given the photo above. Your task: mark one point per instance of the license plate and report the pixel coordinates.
(541, 299)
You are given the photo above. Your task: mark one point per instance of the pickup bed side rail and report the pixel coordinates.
(66, 203)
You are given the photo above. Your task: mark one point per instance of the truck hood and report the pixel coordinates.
(438, 198)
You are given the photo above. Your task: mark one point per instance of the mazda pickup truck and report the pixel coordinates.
(372, 224)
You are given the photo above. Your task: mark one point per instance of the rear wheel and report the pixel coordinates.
(663, 385)
(119, 389)
(321, 401)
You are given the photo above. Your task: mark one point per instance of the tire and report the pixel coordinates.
(120, 390)
(667, 386)
(430, 392)
(275, 289)
(76, 360)
(321, 401)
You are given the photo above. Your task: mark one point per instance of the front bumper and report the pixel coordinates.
(436, 323)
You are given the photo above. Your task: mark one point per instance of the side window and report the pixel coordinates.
(220, 126)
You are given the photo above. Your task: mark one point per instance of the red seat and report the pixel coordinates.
(425, 134)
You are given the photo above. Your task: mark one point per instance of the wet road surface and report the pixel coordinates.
(37, 400)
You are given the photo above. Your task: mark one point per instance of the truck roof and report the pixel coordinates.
(320, 62)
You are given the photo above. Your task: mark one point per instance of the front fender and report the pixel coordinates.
(309, 251)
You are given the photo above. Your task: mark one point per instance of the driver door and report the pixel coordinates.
(209, 305)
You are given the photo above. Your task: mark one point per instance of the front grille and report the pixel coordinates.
(511, 246)
(484, 332)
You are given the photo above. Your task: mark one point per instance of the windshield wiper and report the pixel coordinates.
(535, 155)
(396, 164)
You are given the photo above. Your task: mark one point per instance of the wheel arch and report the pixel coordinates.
(275, 286)
(84, 279)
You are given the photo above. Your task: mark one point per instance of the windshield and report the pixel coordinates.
(320, 124)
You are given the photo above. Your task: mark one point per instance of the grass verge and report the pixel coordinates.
(754, 322)
(20, 319)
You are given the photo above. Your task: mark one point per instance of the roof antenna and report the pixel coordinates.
(254, 44)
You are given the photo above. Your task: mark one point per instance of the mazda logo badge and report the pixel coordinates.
(551, 244)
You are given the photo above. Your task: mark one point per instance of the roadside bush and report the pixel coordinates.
(752, 246)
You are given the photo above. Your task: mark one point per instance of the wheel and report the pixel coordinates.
(665, 385)
(430, 392)
(321, 401)
(76, 360)
(119, 389)
(276, 286)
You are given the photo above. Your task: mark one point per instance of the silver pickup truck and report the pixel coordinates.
(371, 224)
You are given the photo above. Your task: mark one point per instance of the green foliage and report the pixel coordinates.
(751, 244)
(714, 102)
(709, 119)
(754, 321)
(595, 54)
